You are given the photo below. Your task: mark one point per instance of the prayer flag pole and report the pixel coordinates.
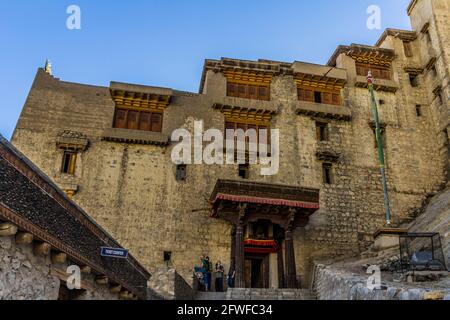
(380, 147)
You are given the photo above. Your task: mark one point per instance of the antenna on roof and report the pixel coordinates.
(48, 67)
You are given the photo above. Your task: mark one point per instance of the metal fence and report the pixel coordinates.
(421, 252)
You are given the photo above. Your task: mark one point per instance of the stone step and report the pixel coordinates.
(210, 296)
(270, 294)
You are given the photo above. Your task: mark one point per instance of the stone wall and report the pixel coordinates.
(167, 284)
(340, 284)
(25, 276)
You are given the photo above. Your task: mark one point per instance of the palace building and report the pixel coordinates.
(109, 149)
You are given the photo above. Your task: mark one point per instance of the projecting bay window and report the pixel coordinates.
(378, 72)
(69, 162)
(248, 91)
(261, 138)
(319, 95)
(138, 120)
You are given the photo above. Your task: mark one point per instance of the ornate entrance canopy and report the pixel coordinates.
(269, 201)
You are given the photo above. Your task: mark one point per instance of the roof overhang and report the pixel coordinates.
(272, 201)
(363, 51)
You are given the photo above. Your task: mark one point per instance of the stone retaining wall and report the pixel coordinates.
(336, 284)
(25, 276)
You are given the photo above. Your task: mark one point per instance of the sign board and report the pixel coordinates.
(114, 252)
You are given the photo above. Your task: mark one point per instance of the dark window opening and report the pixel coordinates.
(167, 256)
(327, 175)
(381, 102)
(317, 97)
(413, 80)
(419, 110)
(244, 171)
(322, 131)
(181, 172)
(69, 162)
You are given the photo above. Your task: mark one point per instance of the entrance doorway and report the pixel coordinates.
(256, 272)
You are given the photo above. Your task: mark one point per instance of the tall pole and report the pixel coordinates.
(380, 147)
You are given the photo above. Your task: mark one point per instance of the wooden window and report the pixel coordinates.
(305, 95)
(156, 122)
(377, 71)
(132, 121)
(138, 120)
(336, 99)
(144, 121)
(253, 92)
(231, 90)
(242, 91)
(407, 48)
(120, 119)
(181, 172)
(69, 162)
(418, 110)
(248, 91)
(327, 98)
(317, 97)
(322, 131)
(326, 173)
(235, 125)
(263, 93)
(244, 171)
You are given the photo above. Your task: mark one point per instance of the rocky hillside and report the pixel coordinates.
(436, 218)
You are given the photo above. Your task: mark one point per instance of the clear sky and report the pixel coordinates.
(164, 42)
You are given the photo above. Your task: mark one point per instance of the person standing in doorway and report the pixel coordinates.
(231, 276)
(219, 276)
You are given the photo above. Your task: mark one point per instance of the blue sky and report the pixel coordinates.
(164, 42)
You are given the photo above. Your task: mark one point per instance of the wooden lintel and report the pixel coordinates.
(59, 257)
(24, 238)
(7, 229)
(42, 249)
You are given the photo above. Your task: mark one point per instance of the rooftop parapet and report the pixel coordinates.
(364, 53)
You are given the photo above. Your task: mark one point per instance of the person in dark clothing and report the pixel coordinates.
(208, 269)
(205, 268)
(231, 276)
(219, 276)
